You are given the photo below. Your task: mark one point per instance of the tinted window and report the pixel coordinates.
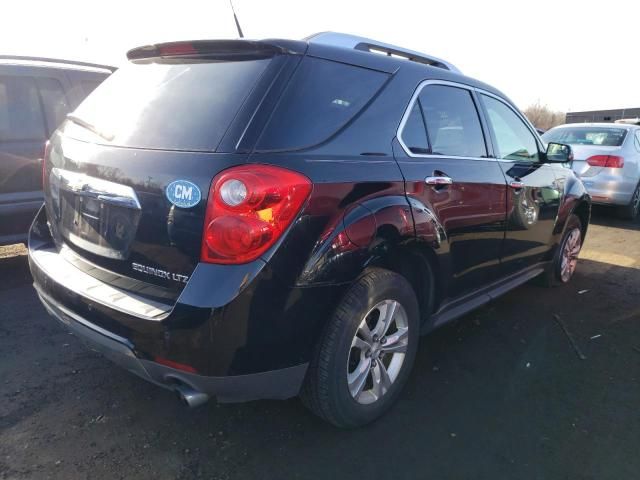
(169, 105)
(54, 102)
(637, 142)
(320, 99)
(414, 134)
(610, 137)
(452, 121)
(514, 140)
(20, 112)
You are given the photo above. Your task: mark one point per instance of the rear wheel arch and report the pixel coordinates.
(419, 266)
(583, 211)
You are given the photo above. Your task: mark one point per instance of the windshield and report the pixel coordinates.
(168, 106)
(604, 136)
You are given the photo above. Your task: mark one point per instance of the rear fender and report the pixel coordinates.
(367, 231)
(574, 195)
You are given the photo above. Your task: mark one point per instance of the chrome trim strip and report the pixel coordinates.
(103, 190)
(407, 112)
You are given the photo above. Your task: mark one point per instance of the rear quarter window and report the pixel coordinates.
(321, 98)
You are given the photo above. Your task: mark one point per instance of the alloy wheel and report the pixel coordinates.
(377, 351)
(570, 253)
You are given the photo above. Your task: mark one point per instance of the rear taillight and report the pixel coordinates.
(176, 49)
(45, 154)
(608, 161)
(248, 209)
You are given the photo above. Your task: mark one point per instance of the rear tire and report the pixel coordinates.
(356, 375)
(565, 260)
(632, 211)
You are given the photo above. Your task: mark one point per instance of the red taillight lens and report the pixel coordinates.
(608, 161)
(177, 49)
(45, 154)
(248, 209)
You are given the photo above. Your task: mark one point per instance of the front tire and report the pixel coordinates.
(565, 260)
(366, 353)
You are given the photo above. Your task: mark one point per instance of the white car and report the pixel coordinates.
(607, 159)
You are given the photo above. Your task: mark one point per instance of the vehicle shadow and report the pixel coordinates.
(607, 217)
(502, 393)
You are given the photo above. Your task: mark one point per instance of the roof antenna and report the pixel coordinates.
(236, 19)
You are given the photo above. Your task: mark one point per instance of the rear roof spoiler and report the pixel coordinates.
(219, 49)
(344, 40)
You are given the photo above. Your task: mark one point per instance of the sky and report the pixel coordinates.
(568, 54)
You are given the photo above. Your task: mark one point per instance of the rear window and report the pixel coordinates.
(608, 137)
(320, 99)
(168, 105)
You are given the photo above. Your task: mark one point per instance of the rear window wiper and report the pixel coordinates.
(79, 121)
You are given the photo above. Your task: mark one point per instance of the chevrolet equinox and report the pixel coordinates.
(264, 219)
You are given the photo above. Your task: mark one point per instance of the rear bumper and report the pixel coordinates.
(275, 384)
(610, 190)
(246, 334)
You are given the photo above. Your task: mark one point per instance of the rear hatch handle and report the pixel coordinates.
(102, 190)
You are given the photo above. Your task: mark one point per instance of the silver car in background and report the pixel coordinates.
(607, 159)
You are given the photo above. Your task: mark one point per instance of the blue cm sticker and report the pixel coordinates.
(183, 193)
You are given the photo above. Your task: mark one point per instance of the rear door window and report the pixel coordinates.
(320, 99)
(54, 101)
(20, 112)
(453, 124)
(168, 104)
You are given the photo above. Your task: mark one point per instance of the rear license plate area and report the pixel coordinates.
(97, 226)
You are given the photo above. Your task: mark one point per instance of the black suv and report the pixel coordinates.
(35, 96)
(262, 219)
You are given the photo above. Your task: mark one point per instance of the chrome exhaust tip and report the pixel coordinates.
(190, 397)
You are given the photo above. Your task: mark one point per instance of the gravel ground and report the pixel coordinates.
(501, 394)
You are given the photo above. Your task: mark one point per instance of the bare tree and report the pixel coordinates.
(543, 117)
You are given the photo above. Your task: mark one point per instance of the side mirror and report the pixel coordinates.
(559, 153)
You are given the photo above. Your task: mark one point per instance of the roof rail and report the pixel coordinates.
(344, 40)
(23, 58)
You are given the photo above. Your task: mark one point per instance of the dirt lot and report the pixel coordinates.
(502, 394)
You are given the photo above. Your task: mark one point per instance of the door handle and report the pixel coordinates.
(517, 185)
(438, 181)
